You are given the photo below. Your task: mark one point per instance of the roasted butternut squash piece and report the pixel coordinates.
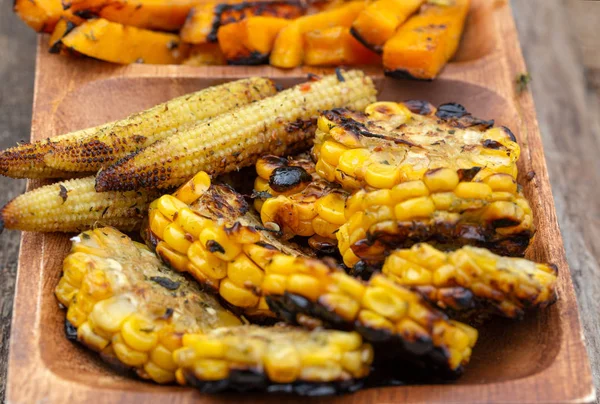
(208, 54)
(426, 42)
(288, 48)
(41, 15)
(249, 42)
(62, 28)
(378, 21)
(336, 46)
(113, 42)
(204, 21)
(165, 15)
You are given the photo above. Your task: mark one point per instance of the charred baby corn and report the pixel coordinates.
(114, 141)
(73, 206)
(439, 209)
(252, 275)
(125, 304)
(391, 143)
(274, 359)
(473, 279)
(276, 125)
(291, 194)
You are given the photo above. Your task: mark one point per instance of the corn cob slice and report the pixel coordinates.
(73, 206)
(276, 125)
(274, 359)
(207, 230)
(439, 209)
(125, 304)
(291, 194)
(140, 130)
(395, 142)
(473, 279)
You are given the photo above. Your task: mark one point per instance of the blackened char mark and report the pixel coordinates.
(283, 179)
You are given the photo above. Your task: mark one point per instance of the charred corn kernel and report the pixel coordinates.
(73, 206)
(499, 284)
(216, 242)
(414, 208)
(238, 296)
(473, 190)
(381, 175)
(261, 127)
(331, 152)
(159, 374)
(383, 109)
(501, 183)
(173, 258)
(194, 188)
(175, 237)
(441, 180)
(212, 266)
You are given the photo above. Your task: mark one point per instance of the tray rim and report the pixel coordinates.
(27, 367)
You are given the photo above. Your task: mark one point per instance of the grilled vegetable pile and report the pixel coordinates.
(361, 243)
(413, 39)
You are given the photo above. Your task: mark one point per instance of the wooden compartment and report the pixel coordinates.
(541, 359)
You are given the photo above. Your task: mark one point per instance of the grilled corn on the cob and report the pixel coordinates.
(254, 276)
(439, 209)
(274, 359)
(275, 125)
(125, 304)
(473, 279)
(74, 205)
(291, 194)
(395, 142)
(110, 143)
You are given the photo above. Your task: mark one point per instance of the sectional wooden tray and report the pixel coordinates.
(542, 359)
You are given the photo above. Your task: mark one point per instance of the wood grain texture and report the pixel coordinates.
(565, 109)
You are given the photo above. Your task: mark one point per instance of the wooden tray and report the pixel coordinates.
(541, 359)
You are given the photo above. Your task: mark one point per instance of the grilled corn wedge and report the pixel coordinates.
(473, 279)
(440, 209)
(112, 142)
(276, 125)
(125, 304)
(207, 230)
(392, 143)
(291, 194)
(274, 359)
(73, 206)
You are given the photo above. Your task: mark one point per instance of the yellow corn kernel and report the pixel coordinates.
(110, 314)
(158, 374)
(471, 332)
(378, 198)
(282, 264)
(320, 356)
(379, 175)
(282, 363)
(352, 362)
(325, 170)
(393, 288)
(414, 208)
(342, 305)
(168, 205)
(244, 273)
(91, 339)
(324, 228)
(75, 266)
(192, 190)
(176, 260)
(184, 357)
(473, 190)
(239, 297)
(350, 259)
(163, 357)
(274, 284)
(383, 110)
(304, 285)
(157, 222)
(409, 190)
(191, 223)
(346, 341)
(204, 346)
(405, 272)
(355, 203)
(216, 242)
(175, 237)
(331, 208)
(331, 151)
(384, 303)
(65, 292)
(443, 200)
(249, 351)
(441, 180)
(306, 210)
(211, 369)
(349, 285)
(352, 161)
(501, 183)
(139, 333)
(411, 330)
(180, 377)
(76, 315)
(212, 266)
(126, 354)
(260, 255)
(323, 373)
(373, 320)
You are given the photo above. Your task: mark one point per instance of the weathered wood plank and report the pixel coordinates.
(568, 112)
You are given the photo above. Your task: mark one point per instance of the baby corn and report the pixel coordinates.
(291, 194)
(473, 279)
(73, 206)
(274, 359)
(112, 142)
(276, 125)
(440, 209)
(125, 304)
(396, 142)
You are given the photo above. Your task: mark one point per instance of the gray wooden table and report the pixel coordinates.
(559, 39)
